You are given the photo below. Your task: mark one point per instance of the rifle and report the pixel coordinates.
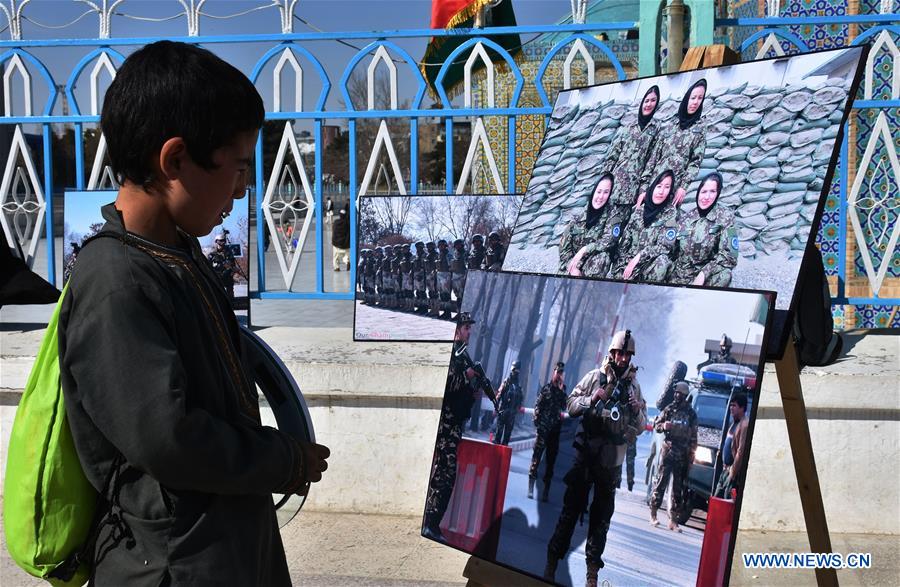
(480, 381)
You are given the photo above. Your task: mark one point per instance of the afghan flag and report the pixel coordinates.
(460, 14)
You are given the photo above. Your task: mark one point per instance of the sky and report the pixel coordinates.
(320, 15)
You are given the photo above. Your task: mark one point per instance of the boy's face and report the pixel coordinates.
(199, 198)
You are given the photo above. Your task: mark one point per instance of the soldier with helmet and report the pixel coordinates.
(458, 269)
(223, 263)
(379, 276)
(369, 278)
(444, 278)
(476, 253)
(431, 259)
(724, 355)
(464, 384)
(388, 277)
(495, 253)
(510, 399)
(612, 410)
(361, 265)
(550, 402)
(419, 277)
(406, 278)
(678, 421)
(396, 279)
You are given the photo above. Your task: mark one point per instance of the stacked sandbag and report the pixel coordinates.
(772, 146)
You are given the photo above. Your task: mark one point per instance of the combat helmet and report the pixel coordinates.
(725, 342)
(494, 236)
(430, 246)
(442, 243)
(622, 341)
(458, 243)
(479, 239)
(515, 366)
(420, 247)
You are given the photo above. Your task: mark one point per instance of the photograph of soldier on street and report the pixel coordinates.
(714, 177)
(413, 255)
(226, 247)
(616, 412)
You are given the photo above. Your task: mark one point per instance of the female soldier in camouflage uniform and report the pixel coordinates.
(707, 243)
(628, 152)
(588, 241)
(648, 245)
(680, 146)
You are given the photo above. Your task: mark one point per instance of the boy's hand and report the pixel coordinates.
(314, 456)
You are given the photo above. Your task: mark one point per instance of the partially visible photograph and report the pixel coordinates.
(711, 177)
(227, 249)
(597, 432)
(413, 256)
(81, 220)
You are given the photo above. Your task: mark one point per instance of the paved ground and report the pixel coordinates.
(374, 323)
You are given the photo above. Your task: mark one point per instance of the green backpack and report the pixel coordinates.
(48, 503)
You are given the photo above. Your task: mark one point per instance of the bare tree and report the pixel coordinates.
(392, 214)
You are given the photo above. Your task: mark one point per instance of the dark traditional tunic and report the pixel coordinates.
(151, 370)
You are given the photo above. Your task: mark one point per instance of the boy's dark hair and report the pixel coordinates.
(170, 89)
(739, 399)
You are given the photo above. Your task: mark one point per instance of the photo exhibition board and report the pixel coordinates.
(755, 144)
(413, 255)
(229, 256)
(515, 467)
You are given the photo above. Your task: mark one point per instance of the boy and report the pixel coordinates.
(165, 419)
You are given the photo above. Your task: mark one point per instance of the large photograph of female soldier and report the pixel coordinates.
(713, 177)
(615, 444)
(414, 253)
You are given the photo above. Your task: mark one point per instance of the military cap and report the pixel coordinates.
(465, 318)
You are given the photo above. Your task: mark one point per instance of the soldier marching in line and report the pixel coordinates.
(361, 274)
(419, 278)
(458, 269)
(431, 260)
(511, 398)
(463, 385)
(612, 411)
(444, 279)
(679, 424)
(724, 355)
(406, 279)
(550, 402)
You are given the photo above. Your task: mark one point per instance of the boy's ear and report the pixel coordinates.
(172, 157)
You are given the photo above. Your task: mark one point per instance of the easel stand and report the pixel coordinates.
(787, 369)
(481, 573)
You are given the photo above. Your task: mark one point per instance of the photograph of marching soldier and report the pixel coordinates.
(414, 253)
(517, 494)
(712, 177)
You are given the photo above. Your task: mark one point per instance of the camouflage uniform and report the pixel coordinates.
(458, 399)
(444, 282)
(550, 401)
(406, 279)
(709, 245)
(419, 277)
(655, 243)
(361, 273)
(476, 253)
(601, 240)
(676, 454)
(511, 398)
(396, 279)
(458, 269)
(680, 150)
(379, 275)
(225, 266)
(600, 449)
(626, 161)
(493, 256)
(387, 276)
(431, 259)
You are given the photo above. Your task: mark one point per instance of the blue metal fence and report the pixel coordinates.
(299, 42)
